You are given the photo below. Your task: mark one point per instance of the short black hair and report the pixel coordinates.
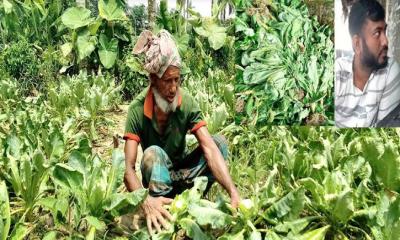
(363, 10)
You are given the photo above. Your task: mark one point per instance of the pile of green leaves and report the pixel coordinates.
(285, 60)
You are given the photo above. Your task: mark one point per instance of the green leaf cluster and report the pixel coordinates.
(285, 60)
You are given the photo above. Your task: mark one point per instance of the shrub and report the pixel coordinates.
(21, 62)
(131, 74)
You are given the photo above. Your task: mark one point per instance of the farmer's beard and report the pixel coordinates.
(370, 61)
(163, 104)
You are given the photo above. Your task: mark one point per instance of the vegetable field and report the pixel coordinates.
(62, 87)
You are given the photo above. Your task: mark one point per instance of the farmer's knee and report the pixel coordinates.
(151, 155)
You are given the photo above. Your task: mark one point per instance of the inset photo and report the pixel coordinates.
(285, 62)
(367, 81)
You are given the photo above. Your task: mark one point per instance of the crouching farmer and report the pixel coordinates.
(158, 119)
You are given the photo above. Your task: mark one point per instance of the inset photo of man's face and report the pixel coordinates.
(374, 44)
(367, 81)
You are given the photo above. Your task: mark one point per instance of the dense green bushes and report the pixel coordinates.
(130, 73)
(20, 60)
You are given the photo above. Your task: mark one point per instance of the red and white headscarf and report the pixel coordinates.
(160, 51)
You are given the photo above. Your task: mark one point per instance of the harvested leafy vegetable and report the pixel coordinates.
(285, 65)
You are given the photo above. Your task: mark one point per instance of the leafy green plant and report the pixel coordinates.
(21, 62)
(5, 219)
(93, 189)
(131, 74)
(105, 33)
(32, 21)
(28, 176)
(84, 98)
(42, 154)
(286, 65)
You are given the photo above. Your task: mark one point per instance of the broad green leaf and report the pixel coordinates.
(38, 161)
(387, 224)
(295, 226)
(215, 34)
(76, 17)
(85, 44)
(122, 203)
(303, 114)
(78, 162)
(229, 95)
(14, 146)
(134, 65)
(182, 42)
(271, 235)
(55, 146)
(288, 207)
(96, 197)
(269, 190)
(108, 51)
(20, 232)
(111, 10)
(50, 236)
(192, 229)
(7, 6)
(14, 175)
(115, 175)
(317, 234)
(334, 183)
(209, 216)
(68, 177)
(247, 208)
(386, 167)
(200, 184)
(57, 207)
(317, 191)
(180, 203)
(255, 235)
(141, 234)
(96, 223)
(5, 216)
(258, 73)
(313, 72)
(241, 26)
(343, 206)
(237, 236)
(217, 119)
(94, 26)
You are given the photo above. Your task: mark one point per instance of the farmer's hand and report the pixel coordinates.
(155, 213)
(235, 198)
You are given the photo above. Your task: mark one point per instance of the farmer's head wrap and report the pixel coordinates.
(160, 51)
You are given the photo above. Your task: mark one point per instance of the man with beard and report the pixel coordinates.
(159, 119)
(367, 86)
